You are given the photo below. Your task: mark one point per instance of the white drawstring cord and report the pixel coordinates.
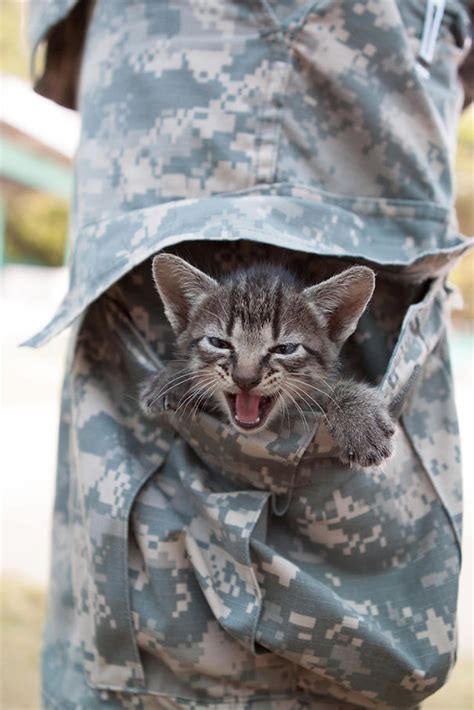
(433, 16)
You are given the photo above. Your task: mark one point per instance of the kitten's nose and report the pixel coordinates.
(246, 382)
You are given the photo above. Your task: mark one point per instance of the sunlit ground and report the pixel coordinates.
(29, 416)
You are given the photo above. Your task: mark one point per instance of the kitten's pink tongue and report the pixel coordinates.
(246, 407)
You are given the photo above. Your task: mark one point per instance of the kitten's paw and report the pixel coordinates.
(153, 397)
(372, 443)
(364, 430)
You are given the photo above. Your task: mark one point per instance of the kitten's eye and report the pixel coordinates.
(284, 349)
(218, 343)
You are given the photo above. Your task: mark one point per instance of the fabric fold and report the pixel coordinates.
(397, 234)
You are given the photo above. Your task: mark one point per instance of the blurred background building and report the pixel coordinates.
(37, 144)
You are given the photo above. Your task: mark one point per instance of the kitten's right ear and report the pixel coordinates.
(181, 287)
(340, 301)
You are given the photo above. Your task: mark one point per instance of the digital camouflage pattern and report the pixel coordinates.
(194, 566)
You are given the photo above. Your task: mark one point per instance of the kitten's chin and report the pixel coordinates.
(249, 413)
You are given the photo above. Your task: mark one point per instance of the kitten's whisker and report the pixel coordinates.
(305, 397)
(287, 409)
(336, 404)
(204, 398)
(280, 400)
(192, 393)
(204, 395)
(182, 374)
(284, 409)
(193, 387)
(308, 384)
(297, 384)
(163, 392)
(305, 422)
(186, 372)
(176, 382)
(301, 395)
(325, 382)
(196, 388)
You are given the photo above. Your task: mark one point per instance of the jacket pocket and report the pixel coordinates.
(419, 387)
(113, 453)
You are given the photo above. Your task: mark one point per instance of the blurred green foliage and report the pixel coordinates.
(13, 42)
(36, 223)
(36, 229)
(465, 172)
(463, 275)
(21, 618)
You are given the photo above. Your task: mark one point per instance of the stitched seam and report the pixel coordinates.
(272, 15)
(441, 212)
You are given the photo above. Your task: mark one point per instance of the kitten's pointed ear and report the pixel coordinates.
(340, 301)
(181, 287)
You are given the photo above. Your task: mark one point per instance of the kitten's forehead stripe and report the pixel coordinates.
(231, 311)
(277, 312)
(255, 301)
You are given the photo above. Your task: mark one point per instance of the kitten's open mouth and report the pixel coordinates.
(249, 411)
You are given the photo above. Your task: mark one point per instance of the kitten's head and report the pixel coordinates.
(258, 342)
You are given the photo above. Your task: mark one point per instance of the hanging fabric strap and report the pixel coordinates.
(433, 16)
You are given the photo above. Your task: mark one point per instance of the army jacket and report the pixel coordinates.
(194, 566)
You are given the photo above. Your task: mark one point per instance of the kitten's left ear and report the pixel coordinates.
(182, 288)
(340, 301)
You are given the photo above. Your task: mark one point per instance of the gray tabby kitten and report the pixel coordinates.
(258, 345)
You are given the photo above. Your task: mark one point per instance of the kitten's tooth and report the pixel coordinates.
(255, 421)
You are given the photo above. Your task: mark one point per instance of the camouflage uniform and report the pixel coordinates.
(194, 566)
